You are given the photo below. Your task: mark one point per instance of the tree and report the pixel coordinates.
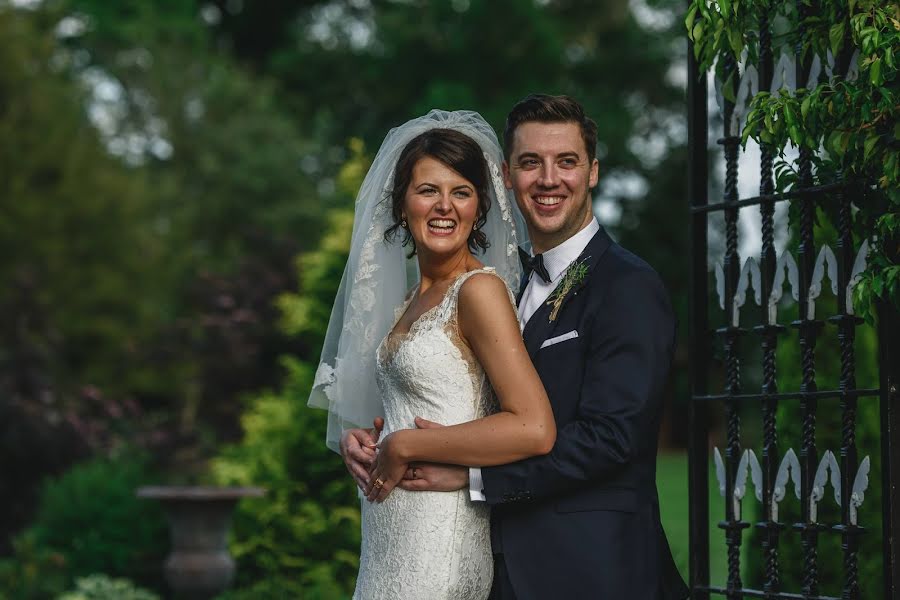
(77, 262)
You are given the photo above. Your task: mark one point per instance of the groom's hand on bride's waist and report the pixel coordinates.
(433, 477)
(358, 450)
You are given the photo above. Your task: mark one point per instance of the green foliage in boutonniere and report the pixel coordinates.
(573, 277)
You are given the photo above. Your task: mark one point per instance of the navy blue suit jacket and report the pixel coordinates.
(583, 520)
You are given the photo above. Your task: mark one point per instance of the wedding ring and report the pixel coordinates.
(379, 483)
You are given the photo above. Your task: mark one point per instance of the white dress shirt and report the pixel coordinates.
(556, 261)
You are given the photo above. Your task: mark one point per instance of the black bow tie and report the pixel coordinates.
(533, 263)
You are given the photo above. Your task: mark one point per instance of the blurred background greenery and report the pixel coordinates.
(176, 189)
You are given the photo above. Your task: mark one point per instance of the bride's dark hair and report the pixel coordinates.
(459, 152)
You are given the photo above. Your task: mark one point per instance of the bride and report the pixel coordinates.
(449, 351)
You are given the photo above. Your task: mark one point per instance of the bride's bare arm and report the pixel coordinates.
(524, 426)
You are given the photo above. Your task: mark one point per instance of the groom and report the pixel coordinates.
(582, 521)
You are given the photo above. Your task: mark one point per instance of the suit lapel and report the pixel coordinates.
(539, 325)
(536, 329)
(523, 283)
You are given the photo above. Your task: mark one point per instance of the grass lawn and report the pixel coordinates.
(672, 482)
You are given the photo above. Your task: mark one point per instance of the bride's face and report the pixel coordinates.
(440, 208)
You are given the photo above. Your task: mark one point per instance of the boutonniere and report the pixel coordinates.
(573, 277)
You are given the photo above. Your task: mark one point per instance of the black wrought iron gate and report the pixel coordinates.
(812, 469)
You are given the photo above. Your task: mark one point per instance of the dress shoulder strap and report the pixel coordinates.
(451, 300)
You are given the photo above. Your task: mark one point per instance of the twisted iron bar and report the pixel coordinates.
(846, 337)
(732, 526)
(770, 464)
(770, 547)
(734, 563)
(808, 458)
(808, 330)
(769, 331)
(809, 543)
(851, 568)
(846, 324)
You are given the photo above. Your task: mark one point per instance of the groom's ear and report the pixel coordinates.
(595, 174)
(506, 180)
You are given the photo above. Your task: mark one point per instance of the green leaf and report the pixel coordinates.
(845, 141)
(875, 72)
(728, 88)
(869, 146)
(831, 142)
(804, 106)
(790, 116)
(697, 33)
(725, 5)
(838, 142)
(836, 37)
(689, 19)
(736, 41)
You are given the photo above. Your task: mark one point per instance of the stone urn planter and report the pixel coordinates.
(199, 566)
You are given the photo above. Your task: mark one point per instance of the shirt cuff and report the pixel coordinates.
(476, 485)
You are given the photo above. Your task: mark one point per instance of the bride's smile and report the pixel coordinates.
(441, 226)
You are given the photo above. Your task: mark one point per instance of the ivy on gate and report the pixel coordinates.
(848, 125)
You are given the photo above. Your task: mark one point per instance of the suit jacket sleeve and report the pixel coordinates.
(626, 366)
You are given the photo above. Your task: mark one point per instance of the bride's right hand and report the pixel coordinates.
(358, 450)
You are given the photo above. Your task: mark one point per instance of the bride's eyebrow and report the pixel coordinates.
(462, 186)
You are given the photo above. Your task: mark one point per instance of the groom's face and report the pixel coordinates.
(551, 176)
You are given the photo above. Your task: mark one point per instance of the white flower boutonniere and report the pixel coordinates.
(574, 276)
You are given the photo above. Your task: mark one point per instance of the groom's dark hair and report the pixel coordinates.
(543, 108)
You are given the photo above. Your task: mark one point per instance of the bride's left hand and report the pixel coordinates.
(389, 468)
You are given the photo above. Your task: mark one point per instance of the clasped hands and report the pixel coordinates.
(378, 467)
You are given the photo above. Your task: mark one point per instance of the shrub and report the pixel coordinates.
(283, 587)
(33, 572)
(89, 521)
(101, 587)
(306, 528)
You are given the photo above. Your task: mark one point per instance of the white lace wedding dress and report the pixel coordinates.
(428, 545)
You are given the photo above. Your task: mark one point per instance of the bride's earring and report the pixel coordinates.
(403, 223)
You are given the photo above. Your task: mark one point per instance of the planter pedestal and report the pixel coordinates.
(199, 566)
